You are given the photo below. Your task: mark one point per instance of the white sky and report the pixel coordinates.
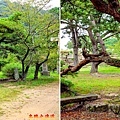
(54, 3)
(64, 40)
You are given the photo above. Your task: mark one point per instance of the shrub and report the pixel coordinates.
(65, 85)
(8, 69)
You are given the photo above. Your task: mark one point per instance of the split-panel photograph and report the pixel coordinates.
(59, 60)
(29, 59)
(90, 60)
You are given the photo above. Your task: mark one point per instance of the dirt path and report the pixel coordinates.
(40, 100)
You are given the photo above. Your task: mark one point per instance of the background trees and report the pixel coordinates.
(91, 29)
(32, 42)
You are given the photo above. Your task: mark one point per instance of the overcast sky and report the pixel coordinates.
(54, 3)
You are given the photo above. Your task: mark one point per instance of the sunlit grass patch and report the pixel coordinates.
(41, 81)
(103, 68)
(107, 81)
(6, 94)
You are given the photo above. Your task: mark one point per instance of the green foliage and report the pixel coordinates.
(2, 75)
(66, 85)
(15, 16)
(62, 63)
(9, 25)
(27, 32)
(8, 69)
(75, 14)
(116, 48)
(111, 41)
(54, 11)
(69, 45)
(66, 82)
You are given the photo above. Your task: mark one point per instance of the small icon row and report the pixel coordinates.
(41, 116)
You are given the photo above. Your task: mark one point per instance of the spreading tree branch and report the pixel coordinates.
(103, 7)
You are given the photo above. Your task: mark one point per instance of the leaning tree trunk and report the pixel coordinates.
(112, 61)
(101, 57)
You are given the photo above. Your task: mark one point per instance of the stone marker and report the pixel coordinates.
(45, 70)
(16, 74)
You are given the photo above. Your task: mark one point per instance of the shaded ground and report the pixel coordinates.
(40, 100)
(82, 114)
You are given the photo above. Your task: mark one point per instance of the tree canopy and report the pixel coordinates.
(26, 32)
(89, 29)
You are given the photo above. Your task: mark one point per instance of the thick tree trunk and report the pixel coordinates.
(75, 52)
(38, 66)
(75, 44)
(94, 67)
(23, 64)
(25, 72)
(112, 61)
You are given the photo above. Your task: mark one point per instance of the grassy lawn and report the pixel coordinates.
(43, 80)
(107, 81)
(8, 91)
(6, 94)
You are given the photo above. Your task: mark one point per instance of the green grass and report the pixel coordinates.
(7, 94)
(43, 80)
(109, 69)
(108, 80)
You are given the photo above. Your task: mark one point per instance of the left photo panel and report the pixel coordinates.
(29, 59)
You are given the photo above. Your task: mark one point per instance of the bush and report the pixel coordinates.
(65, 85)
(8, 69)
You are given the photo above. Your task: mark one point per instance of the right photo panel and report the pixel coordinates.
(90, 60)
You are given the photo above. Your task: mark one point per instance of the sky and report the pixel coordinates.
(54, 3)
(63, 40)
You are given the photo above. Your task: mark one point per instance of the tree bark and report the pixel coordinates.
(75, 44)
(94, 65)
(103, 7)
(101, 57)
(38, 66)
(25, 72)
